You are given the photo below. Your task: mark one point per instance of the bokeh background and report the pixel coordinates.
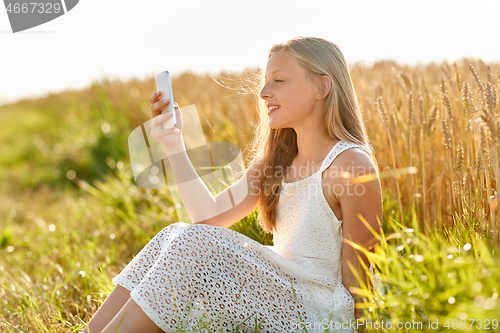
(426, 75)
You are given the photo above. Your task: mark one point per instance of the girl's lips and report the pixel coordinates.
(271, 111)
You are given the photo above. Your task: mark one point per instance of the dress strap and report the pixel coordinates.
(337, 149)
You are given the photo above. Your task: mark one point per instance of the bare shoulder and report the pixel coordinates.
(352, 162)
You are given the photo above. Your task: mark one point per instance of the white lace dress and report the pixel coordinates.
(224, 277)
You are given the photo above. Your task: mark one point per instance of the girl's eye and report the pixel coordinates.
(278, 81)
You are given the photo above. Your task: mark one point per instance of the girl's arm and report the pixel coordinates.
(364, 199)
(227, 208)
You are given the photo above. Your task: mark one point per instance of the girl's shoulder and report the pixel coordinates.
(353, 155)
(349, 153)
(352, 162)
(339, 189)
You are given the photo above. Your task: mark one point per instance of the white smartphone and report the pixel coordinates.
(164, 85)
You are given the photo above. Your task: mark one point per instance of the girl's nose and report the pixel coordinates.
(264, 92)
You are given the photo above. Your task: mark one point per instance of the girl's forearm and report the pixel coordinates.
(196, 197)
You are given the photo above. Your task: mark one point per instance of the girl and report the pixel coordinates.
(314, 130)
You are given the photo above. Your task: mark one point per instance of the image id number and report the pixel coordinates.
(34, 7)
(476, 323)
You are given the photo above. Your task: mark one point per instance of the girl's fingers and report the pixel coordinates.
(154, 97)
(158, 107)
(158, 120)
(160, 132)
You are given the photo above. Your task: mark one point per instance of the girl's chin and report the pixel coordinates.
(274, 125)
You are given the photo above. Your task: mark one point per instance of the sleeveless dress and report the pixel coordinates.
(188, 273)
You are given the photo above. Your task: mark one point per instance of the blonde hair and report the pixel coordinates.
(276, 148)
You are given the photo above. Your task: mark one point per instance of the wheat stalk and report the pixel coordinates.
(458, 76)
(485, 142)
(446, 100)
(460, 160)
(468, 102)
(447, 144)
(491, 124)
(421, 117)
(410, 107)
(424, 190)
(476, 77)
(490, 97)
(432, 117)
(405, 80)
(479, 166)
(479, 185)
(382, 112)
(459, 166)
(446, 134)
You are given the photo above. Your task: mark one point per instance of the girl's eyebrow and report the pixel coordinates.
(277, 70)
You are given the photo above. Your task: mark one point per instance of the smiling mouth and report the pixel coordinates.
(272, 110)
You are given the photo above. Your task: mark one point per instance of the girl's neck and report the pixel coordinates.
(313, 152)
(313, 142)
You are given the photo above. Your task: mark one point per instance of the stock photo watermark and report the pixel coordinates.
(24, 15)
(449, 324)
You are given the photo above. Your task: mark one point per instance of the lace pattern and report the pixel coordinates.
(220, 271)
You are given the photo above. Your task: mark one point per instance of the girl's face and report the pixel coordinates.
(287, 87)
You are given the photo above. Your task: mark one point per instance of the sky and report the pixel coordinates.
(137, 39)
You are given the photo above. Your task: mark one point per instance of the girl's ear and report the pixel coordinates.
(324, 86)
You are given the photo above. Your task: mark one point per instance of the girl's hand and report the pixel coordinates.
(168, 137)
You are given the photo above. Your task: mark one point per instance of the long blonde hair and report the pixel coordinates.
(276, 148)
